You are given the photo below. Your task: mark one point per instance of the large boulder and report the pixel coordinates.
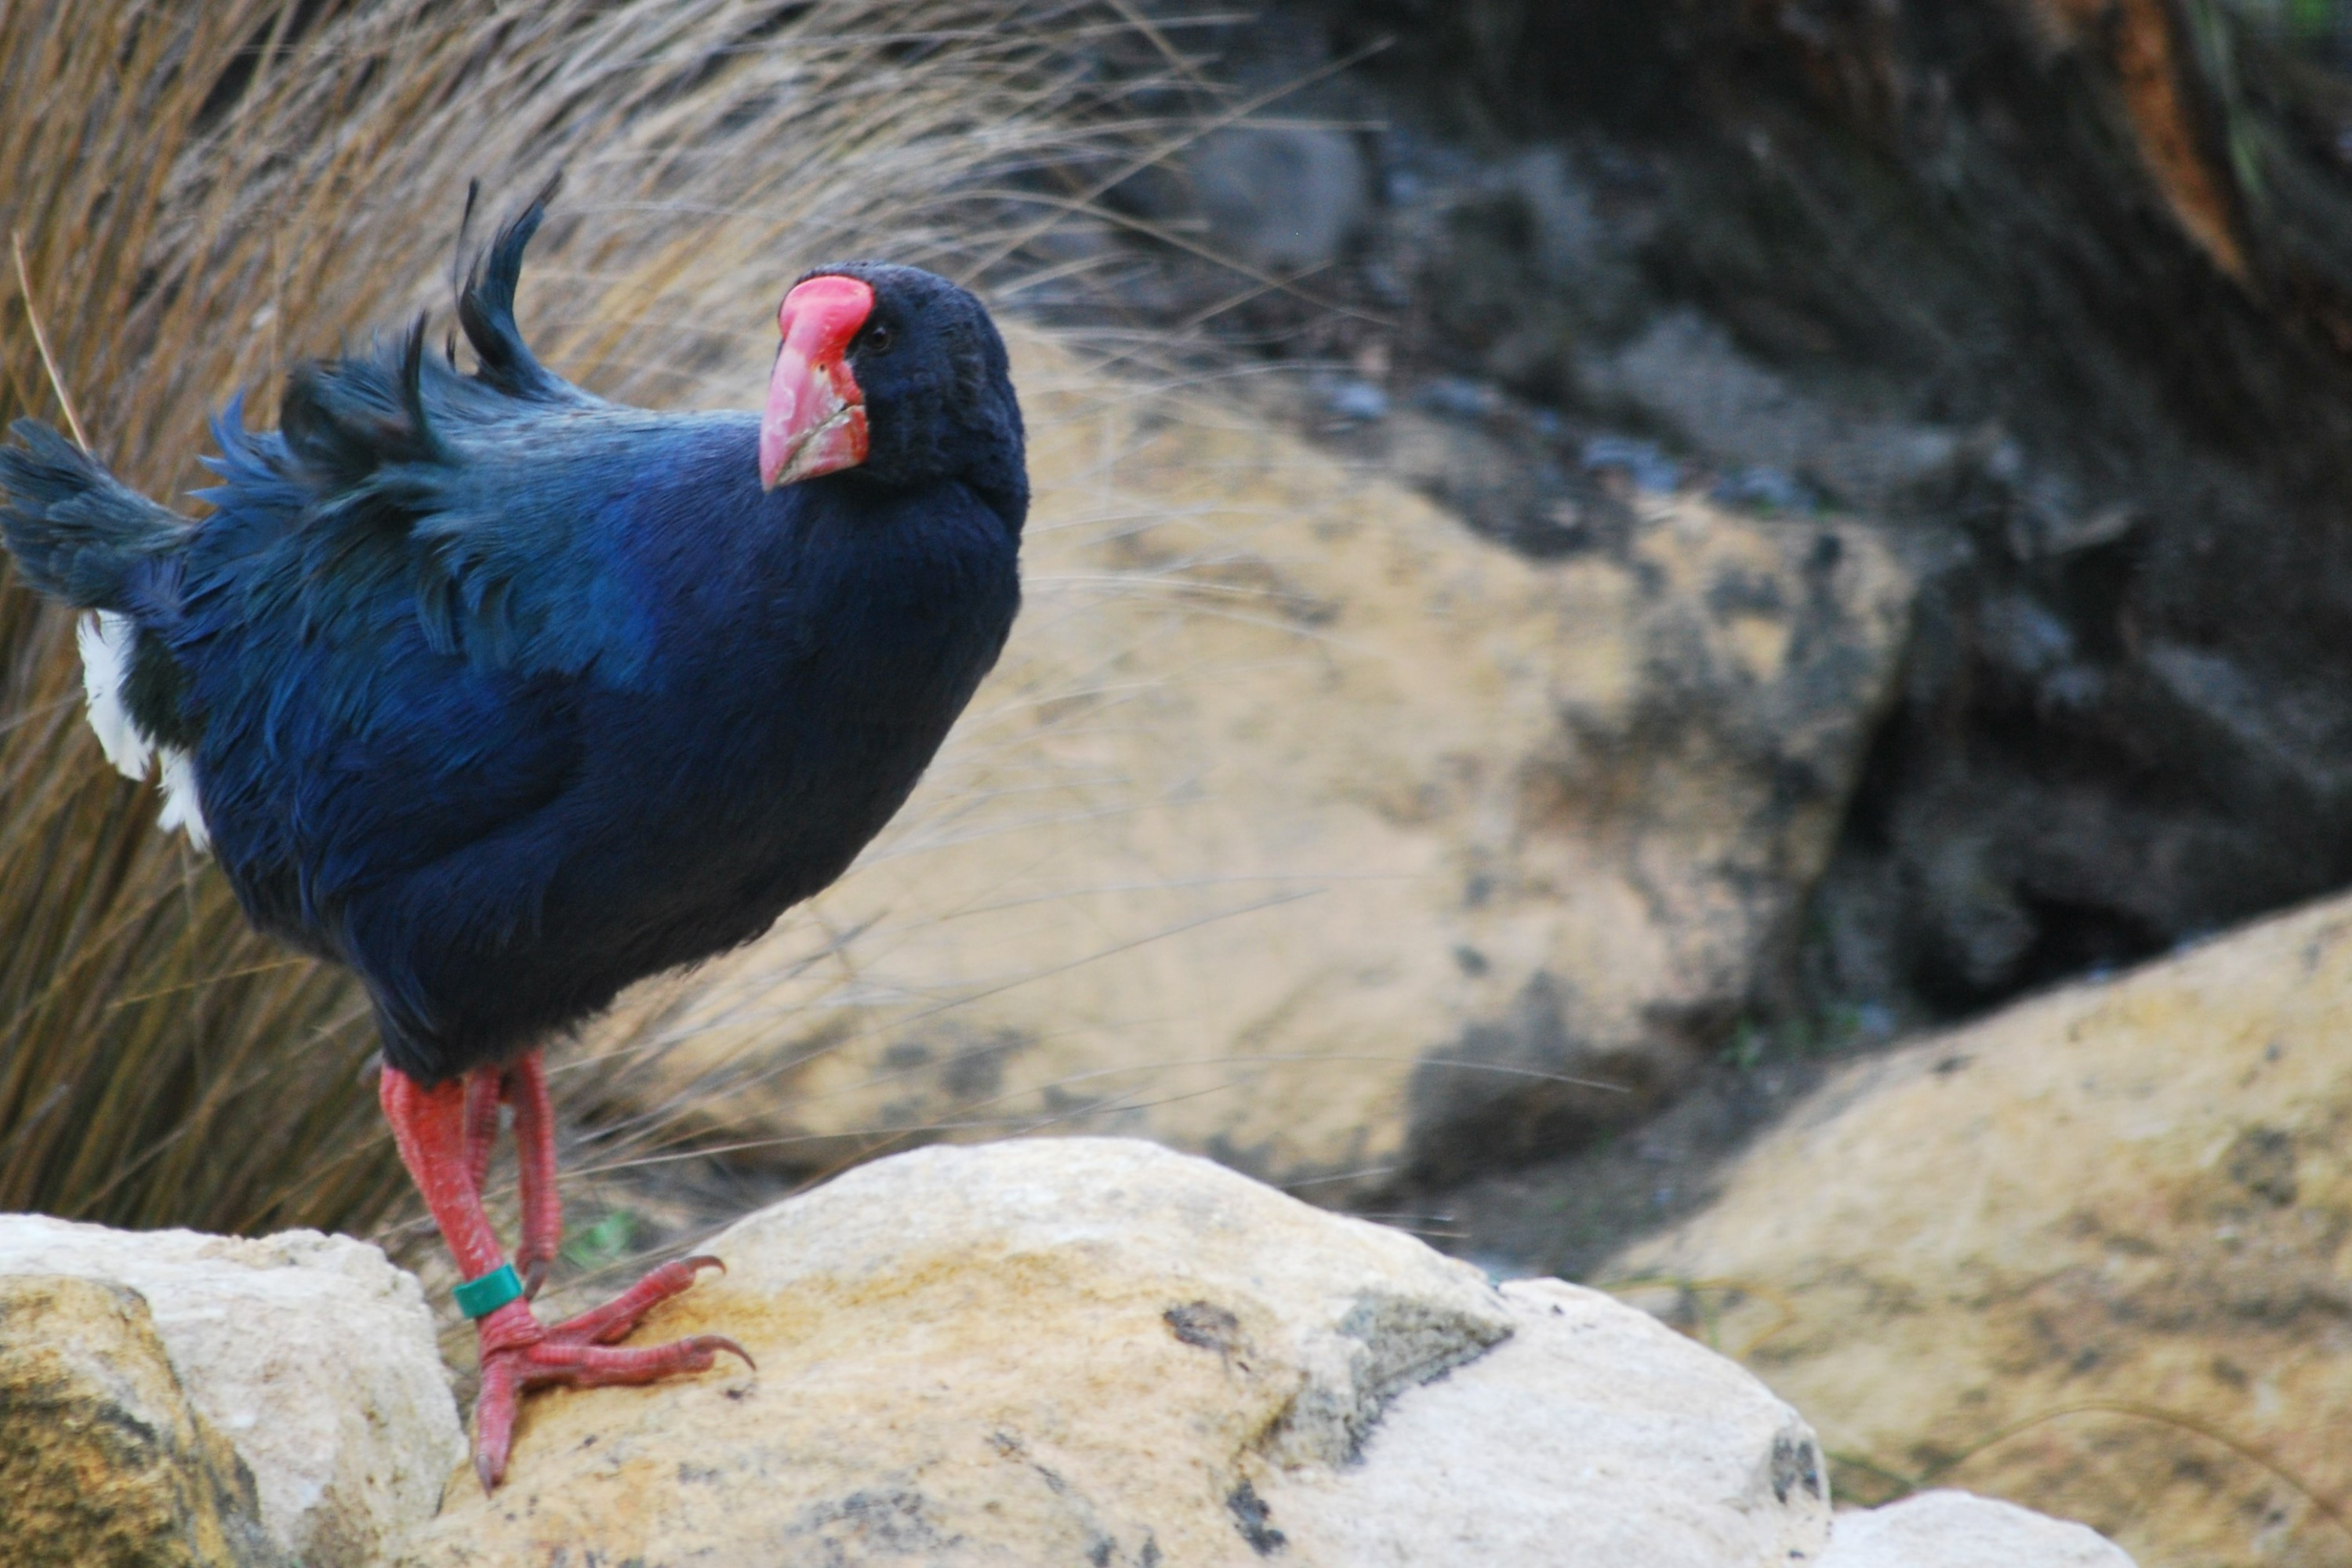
(1097, 1351)
(1303, 827)
(2093, 1254)
(310, 1355)
(104, 1462)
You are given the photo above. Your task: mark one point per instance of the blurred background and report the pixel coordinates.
(1603, 578)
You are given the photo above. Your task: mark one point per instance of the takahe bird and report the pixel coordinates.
(506, 696)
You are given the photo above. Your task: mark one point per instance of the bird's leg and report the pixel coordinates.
(482, 1097)
(435, 1126)
(525, 1087)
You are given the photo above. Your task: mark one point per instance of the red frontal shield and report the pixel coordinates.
(815, 419)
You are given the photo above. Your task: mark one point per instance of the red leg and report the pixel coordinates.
(432, 1128)
(435, 1129)
(482, 1096)
(534, 1126)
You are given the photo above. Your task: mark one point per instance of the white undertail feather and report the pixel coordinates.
(106, 640)
(182, 809)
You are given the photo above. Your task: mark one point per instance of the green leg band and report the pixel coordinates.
(480, 1298)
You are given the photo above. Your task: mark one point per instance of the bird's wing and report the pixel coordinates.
(339, 746)
(409, 589)
(488, 503)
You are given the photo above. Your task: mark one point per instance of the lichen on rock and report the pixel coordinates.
(104, 1462)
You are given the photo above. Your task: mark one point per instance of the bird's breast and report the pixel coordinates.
(805, 679)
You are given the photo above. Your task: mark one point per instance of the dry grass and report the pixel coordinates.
(204, 192)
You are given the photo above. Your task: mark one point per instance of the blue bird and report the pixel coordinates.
(506, 696)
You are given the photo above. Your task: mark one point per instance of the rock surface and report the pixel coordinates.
(1303, 827)
(1287, 199)
(2093, 1254)
(1097, 1351)
(104, 1462)
(1954, 1529)
(1592, 1436)
(312, 1354)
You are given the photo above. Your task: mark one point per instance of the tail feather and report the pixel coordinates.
(77, 531)
(486, 309)
(82, 535)
(345, 420)
(360, 431)
(109, 643)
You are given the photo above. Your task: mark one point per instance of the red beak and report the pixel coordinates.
(815, 419)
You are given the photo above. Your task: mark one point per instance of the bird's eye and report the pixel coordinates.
(877, 339)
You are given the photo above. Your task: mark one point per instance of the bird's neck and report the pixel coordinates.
(1001, 480)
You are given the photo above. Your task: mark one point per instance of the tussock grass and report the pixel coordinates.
(205, 194)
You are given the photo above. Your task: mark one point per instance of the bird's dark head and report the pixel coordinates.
(896, 372)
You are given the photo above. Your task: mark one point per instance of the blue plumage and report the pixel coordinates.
(507, 696)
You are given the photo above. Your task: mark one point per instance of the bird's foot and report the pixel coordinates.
(518, 1353)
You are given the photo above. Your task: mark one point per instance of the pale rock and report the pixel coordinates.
(310, 1353)
(1302, 826)
(1100, 1352)
(1955, 1530)
(2092, 1254)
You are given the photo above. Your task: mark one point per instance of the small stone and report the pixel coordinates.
(1644, 462)
(1289, 198)
(1360, 400)
(1593, 1434)
(1772, 489)
(1458, 396)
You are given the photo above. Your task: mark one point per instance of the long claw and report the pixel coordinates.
(534, 1275)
